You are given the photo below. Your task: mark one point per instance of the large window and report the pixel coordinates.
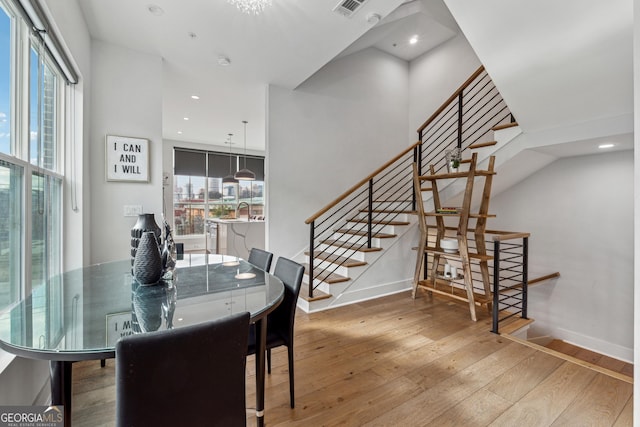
(31, 177)
(199, 192)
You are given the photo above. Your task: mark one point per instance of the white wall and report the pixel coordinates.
(68, 22)
(434, 76)
(126, 101)
(332, 131)
(579, 211)
(636, 203)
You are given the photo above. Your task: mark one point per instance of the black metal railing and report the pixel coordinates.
(465, 119)
(508, 272)
(352, 221)
(510, 278)
(359, 216)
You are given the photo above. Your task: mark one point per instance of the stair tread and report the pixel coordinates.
(505, 126)
(389, 211)
(317, 295)
(326, 276)
(363, 220)
(513, 324)
(364, 233)
(336, 259)
(482, 144)
(347, 245)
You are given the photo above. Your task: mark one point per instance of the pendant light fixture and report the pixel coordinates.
(245, 174)
(230, 179)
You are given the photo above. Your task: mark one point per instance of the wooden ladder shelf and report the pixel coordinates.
(434, 281)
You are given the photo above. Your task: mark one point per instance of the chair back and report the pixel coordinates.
(261, 259)
(282, 318)
(194, 375)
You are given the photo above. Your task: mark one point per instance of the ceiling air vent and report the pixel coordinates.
(348, 7)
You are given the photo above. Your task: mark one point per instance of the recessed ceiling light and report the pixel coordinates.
(155, 10)
(413, 40)
(223, 60)
(179, 132)
(606, 145)
(195, 97)
(186, 118)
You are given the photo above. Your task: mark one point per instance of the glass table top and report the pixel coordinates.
(85, 311)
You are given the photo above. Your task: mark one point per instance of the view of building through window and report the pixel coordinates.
(196, 199)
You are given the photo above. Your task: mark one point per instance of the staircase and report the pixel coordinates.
(372, 227)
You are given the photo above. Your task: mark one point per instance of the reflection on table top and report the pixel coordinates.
(87, 310)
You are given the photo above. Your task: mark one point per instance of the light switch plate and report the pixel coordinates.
(132, 210)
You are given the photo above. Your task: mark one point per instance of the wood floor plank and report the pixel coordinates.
(479, 409)
(625, 419)
(396, 361)
(544, 403)
(452, 391)
(600, 403)
(519, 380)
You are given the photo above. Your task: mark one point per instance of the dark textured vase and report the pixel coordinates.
(146, 222)
(147, 265)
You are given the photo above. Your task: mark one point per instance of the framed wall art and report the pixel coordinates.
(127, 159)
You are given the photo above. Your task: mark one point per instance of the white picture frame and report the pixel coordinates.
(127, 159)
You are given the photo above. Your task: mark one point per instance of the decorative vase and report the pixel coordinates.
(453, 157)
(147, 265)
(146, 222)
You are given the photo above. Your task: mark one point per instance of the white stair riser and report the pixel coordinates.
(318, 265)
(375, 228)
(360, 240)
(391, 206)
(343, 252)
(380, 217)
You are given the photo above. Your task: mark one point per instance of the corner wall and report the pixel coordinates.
(329, 133)
(434, 76)
(579, 211)
(126, 101)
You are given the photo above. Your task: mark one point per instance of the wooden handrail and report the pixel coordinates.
(451, 98)
(360, 184)
(510, 236)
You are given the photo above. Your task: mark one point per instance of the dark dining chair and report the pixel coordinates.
(261, 259)
(280, 321)
(193, 375)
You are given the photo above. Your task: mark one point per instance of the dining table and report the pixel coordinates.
(80, 314)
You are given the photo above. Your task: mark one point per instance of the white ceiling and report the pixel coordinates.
(284, 45)
(557, 63)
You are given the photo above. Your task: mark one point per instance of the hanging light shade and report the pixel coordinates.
(245, 174)
(229, 179)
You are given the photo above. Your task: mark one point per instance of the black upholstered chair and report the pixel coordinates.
(280, 321)
(194, 375)
(261, 259)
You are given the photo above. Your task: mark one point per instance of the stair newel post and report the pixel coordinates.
(525, 275)
(312, 226)
(370, 215)
(496, 285)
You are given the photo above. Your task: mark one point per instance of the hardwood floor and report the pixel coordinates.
(395, 361)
